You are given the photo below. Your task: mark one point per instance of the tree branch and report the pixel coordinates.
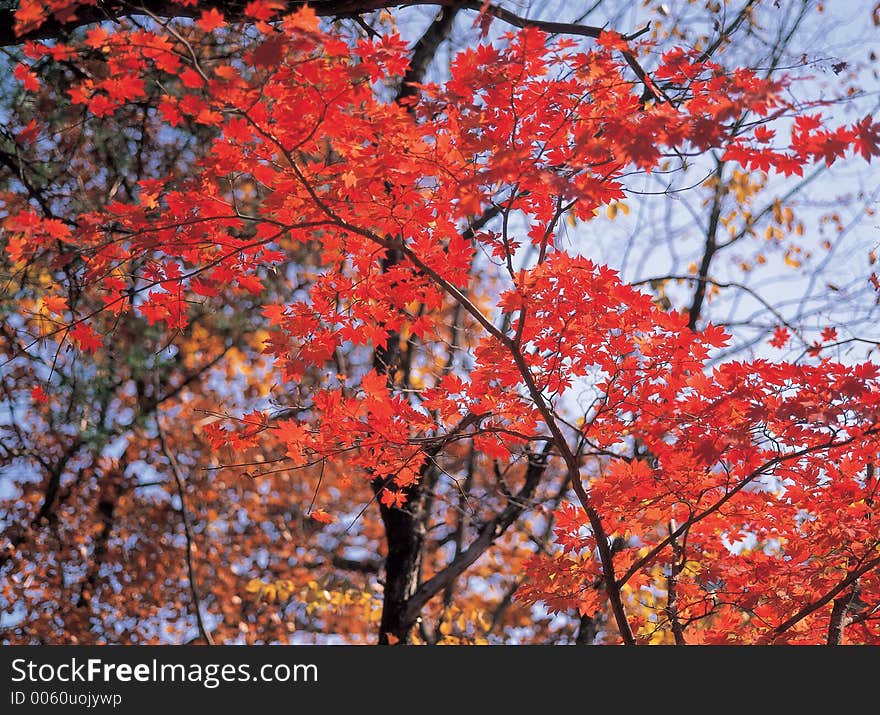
(491, 532)
(672, 590)
(731, 493)
(838, 619)
(234, 10)
(851, 578)
(709, 249)
(187, 532)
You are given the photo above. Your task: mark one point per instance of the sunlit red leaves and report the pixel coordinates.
(162, 306)
(29, 15)
(297, 440)
(393, 498)
(829, 334)
(716, 457)
(85, 337)
(810, 142)
(764, 135)
(714, 336)
(306, 151)
(613, 41)
(26, 77)
(678, 65)
(55, 303)
(262, 9)
(29, 232)
(211, 19)
(565, 581)
(780, 337)
(746, 423)
(321, 516)
(304, 19)
(867, 138)
(191, 79)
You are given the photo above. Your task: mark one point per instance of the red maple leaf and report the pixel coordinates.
(321, 516)
(780, 337)
(867, 137)
(211, 19)
(85, 336)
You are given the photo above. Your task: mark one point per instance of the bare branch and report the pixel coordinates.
(187, 532)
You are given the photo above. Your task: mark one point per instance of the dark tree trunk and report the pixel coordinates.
(405, 536)
(586, 634)
(405, 527)
(404, 533)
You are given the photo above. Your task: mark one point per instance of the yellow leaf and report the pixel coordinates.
(485, 623)
(691, 567)
(283, 592)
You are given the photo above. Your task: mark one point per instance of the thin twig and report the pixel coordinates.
(193, 586)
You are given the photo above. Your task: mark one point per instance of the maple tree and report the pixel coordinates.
(324, 289)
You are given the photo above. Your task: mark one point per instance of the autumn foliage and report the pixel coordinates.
(341, 301)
